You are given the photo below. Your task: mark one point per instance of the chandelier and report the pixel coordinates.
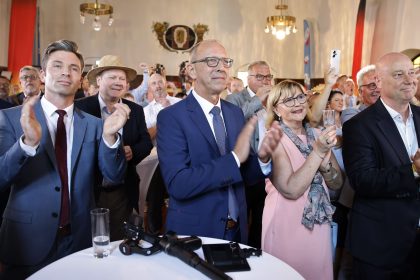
(96, 9)
(281, 25)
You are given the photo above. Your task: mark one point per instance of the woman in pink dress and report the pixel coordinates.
(297, 212)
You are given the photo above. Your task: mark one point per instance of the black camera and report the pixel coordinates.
(159, 68)
(181, 248)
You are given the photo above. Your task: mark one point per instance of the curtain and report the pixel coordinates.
(21, 36)
(358, 39)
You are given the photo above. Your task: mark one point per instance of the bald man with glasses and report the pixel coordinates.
(204, 152)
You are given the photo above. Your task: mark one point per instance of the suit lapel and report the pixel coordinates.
(200, 120)
(390, 132)
(79, 131)
(416, 117)
(128, 127)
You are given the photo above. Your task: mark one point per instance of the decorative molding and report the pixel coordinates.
(178, 38)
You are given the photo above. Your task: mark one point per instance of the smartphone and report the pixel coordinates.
(335, 60)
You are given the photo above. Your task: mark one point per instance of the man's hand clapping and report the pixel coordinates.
(115, 122)
(30, 125)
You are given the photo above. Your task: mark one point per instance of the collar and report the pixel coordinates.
(102, 104)
(50, 108)
(205, 104)
(250, 92)
(394, 114)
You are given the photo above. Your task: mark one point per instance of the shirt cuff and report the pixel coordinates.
(265, 167)
(29, 151)
(116, 144)
(236, 159)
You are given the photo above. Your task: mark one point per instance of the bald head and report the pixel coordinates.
(203, 45)
(397, 79)
(157, 86)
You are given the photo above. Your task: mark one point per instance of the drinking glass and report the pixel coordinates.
(100, 232)
(328, 117)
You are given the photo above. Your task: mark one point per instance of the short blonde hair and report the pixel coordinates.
(282, 90)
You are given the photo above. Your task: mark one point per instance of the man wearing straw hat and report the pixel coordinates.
(111, 76)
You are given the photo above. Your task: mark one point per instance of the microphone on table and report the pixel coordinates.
(181, 248)
(174, 246)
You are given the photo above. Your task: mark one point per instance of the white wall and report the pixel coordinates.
(4, 30)
(397, 27)
(238, 24)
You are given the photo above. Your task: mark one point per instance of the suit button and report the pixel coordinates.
(54, 215)
(57, 189)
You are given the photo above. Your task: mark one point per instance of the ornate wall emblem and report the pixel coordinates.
(179, 37)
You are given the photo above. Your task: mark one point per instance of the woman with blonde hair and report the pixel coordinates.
(297, 211)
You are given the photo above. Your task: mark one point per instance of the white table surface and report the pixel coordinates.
(82, 265)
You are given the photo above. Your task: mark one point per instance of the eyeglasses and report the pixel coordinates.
(214, 61)
(260, 77)
(30, 77)
(370, 86)
(290, 102)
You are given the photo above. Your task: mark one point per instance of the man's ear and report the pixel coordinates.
(42, 75)
(191, 71)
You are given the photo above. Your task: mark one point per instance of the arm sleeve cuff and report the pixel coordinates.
(265, 167)
(236, 159)
(29, 151)
(116, 144)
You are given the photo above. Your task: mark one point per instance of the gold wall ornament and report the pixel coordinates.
(200, 29)
(160, 28)
(178, 37)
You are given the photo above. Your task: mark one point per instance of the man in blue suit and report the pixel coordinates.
(204, 156)
(48, 213)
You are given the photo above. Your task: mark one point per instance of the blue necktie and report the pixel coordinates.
(219, 131)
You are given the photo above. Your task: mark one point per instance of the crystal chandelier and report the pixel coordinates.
(96, 9)
(281, 25)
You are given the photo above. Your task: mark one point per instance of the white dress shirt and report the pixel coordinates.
(152, 110)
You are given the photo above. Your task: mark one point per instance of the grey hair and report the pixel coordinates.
(362, 72)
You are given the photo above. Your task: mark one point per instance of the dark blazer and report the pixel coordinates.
(135, 135)
(31, 218)
(5, 104)
(196, 175)
(386, 208)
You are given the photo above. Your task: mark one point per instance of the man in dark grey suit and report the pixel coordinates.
(252, 100)
(382, 159)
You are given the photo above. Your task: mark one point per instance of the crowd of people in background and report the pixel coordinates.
(253, 164)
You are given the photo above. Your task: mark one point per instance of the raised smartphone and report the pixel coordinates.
(335, 60)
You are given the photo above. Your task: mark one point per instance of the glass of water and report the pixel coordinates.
(100, 232)
(328, 117)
